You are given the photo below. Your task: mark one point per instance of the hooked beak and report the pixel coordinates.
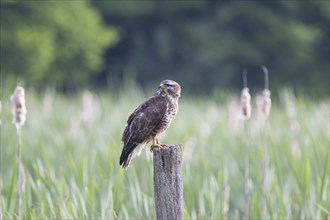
(161, 86)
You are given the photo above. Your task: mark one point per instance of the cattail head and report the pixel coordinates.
(246, 102)
(245, 98)
(267, 102)
(90, 107)
(19, 110)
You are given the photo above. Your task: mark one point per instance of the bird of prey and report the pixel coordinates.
(149, 120)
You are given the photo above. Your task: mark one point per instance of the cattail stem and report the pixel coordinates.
(245, 85)
(19, 116)
(246, 174)
(246, 112)
(246, 188)
(264, 168)
(265, 70)
(266, 106)
(19, 176)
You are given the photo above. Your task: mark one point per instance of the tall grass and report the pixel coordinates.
(72, 171)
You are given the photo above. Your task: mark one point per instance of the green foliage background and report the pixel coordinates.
(52, 42)
(204, 44)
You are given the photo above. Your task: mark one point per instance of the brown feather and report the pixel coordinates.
(141, 125)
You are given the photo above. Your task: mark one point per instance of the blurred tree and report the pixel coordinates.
(53, 42)
(207, 44)
(203, 44)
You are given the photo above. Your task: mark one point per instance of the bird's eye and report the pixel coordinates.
(168, 85)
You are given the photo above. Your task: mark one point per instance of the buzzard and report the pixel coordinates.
(149, 120)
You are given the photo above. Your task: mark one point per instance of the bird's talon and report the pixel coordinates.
(156, 146)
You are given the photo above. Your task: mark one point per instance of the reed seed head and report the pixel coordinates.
(18, 107)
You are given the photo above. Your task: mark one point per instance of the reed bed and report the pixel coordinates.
(72, 147)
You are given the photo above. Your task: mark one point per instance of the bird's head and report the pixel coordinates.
(170, 87)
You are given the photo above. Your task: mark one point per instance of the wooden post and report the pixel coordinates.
(168, 187)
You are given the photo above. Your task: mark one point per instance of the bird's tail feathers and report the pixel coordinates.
(127, 155)
(125, 163)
